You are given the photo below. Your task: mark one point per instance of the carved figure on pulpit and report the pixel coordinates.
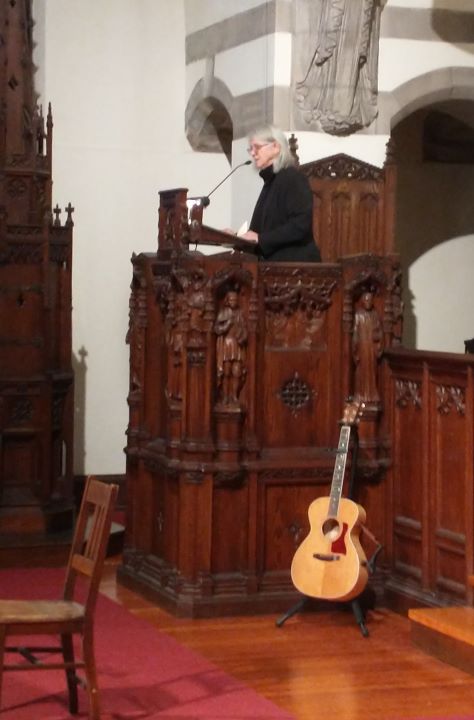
(196, 300)
(175, 338)
(339, 89)
(231, 349)
(367, 347)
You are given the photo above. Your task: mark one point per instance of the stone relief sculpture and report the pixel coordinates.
(339, 87)
(295, 311)
(367, 347)
(231, 349)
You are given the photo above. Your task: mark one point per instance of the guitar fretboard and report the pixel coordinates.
(339, 470)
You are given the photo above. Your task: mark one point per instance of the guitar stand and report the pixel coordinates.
(355, 604)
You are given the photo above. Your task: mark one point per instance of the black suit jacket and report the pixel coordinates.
(283, 217)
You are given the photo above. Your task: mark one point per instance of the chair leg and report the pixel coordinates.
(91, 674)
(3, 634)
(68, 655)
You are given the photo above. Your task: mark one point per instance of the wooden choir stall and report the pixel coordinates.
(239, 372)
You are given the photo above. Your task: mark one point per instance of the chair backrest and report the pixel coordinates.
(89, 545)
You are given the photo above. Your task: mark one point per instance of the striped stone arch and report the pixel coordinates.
(450, 83)
(208, 120)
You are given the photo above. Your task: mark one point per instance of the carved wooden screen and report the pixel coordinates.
(353, 206)
(429, 545)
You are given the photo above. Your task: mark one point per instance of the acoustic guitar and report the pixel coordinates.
(330, 563)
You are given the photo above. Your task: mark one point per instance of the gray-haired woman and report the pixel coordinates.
(282, 220)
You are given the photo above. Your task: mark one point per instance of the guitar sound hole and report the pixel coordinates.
(330, 528)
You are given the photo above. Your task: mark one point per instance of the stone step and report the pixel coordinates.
(446, 633)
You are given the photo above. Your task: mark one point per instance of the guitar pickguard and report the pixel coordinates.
(339, 545)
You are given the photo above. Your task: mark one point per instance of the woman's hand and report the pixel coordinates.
(250, 236)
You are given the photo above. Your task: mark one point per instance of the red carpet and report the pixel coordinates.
(143, 674)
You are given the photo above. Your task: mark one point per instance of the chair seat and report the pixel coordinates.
(37, 611)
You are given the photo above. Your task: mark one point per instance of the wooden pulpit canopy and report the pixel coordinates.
(354, 204)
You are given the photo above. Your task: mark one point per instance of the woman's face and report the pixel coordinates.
(263, 153)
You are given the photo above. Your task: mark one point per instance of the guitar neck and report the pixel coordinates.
(339, 470)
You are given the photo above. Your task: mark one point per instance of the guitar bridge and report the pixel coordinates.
(326, 558)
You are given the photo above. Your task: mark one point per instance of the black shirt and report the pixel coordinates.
(283, 217)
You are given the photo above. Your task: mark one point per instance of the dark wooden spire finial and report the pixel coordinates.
(293, 143)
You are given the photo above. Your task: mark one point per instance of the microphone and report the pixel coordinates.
(204, 199)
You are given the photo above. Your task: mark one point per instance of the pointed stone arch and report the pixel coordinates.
(432, 87)
(208, 119)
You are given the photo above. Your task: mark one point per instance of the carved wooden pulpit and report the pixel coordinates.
(239, 372)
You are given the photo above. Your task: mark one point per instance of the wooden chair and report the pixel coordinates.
(68, 617)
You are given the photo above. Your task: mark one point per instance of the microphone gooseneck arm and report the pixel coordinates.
(247, 162)
(205, 198)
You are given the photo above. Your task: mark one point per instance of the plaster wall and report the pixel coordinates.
(202, 13)
(114, 73)
(441, 283)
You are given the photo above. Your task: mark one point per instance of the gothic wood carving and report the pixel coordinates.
(36, 378)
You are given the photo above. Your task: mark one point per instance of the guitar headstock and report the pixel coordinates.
(353, 410)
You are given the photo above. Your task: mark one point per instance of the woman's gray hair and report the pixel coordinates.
(270, 133)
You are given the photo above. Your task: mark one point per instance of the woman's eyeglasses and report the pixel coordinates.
(256, 147)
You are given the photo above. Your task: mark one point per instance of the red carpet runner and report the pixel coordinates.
(143, 674)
